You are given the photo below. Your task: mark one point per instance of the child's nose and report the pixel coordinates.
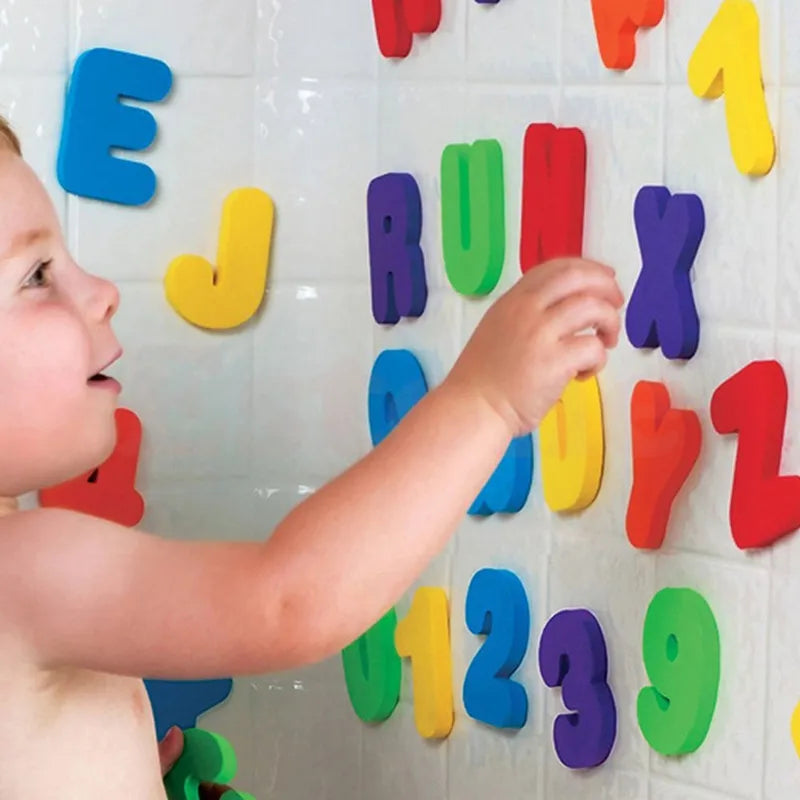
(104, 299)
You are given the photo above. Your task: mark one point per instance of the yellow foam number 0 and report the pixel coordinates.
(572, 448)
(727, 60)
(424, 637)
(231, 294)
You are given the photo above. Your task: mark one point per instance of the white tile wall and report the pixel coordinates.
(292, 96)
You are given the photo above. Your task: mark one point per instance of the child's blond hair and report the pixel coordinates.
(8, 138)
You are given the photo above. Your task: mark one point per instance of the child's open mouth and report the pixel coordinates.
(105, 382)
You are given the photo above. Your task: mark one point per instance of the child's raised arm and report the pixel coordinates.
(85, 592)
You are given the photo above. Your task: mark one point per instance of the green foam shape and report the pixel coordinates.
(473, 215)
(681, 655)
(372, 671)
(206, 758)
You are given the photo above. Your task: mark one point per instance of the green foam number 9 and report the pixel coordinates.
(473, 215)
(206, 758)
(372, 671)
(681, 655)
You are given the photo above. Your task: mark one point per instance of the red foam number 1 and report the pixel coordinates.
(764, 505)
(397, 20)
(109, 490)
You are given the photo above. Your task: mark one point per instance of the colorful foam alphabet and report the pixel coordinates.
(572, 655)
(616, 23)
(497, 608)
(182, 702)
(666, 444)
(372, 670)
(473, 215)
(661, 310)
(572, 447)
(424, 637)
(764, 505)
(95, 121)
(396, 261)
(397, 20)
(206, 758)
(553, 194)
(681, 655)
(727, 60)
(228, 296)
(109, 491)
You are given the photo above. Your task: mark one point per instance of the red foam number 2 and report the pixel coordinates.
(109, 490)
(764, 504)
(396, 21)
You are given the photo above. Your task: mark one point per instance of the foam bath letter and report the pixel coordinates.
(572, 655)
(397, 265)
(95, 121)
(661, 310)
(508, 488)
(206, 758)
(616, 23)
(228, 296)
(553, 194)
(109, 491)
(396, 385)
(424, 637)
(728, 60)
(795, 728)
(182, 702)
(681, 655)
(473, 215)
(372, 671)
(572, 447)
(497, 608)
(397, 20)
(764, 505)
(666, 444)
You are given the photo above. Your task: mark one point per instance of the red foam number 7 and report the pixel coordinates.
(764, 505)
(397, 20)
(107, 491)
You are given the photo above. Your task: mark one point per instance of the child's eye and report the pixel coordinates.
(38, 278)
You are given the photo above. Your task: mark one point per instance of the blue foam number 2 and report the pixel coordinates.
(572, 655)
(506, 492)
(95, 121)
(497, 607)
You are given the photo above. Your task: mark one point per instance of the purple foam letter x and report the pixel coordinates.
(661, 311)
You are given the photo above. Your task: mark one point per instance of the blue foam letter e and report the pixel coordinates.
(95, 121)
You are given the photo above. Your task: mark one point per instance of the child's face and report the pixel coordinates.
(55, 332)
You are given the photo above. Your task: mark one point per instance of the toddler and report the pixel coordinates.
(88, 607)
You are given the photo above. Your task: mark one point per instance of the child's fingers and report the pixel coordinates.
(560, 279)
(585, 355)
(584, 311)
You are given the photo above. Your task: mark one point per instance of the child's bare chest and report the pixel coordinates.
(76, 734)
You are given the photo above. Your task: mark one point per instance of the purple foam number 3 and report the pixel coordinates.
(397, 265)
(661, 311)
(572, 655)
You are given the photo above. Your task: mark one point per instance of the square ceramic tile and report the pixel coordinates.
(313, 358)
(790, 52)
(214, 38)
(788, 281)
(514, 41)
(739, 246)
(727, 761)
(202, 152)
(336, 40)
(192, 390)
(34, 36)
(315, 154)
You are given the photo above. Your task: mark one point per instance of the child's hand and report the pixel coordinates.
(552, 326)
(169, 751)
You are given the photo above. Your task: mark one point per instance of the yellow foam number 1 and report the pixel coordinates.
(424, 637)
(571, 443)
(231, 294)
(727, 60)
